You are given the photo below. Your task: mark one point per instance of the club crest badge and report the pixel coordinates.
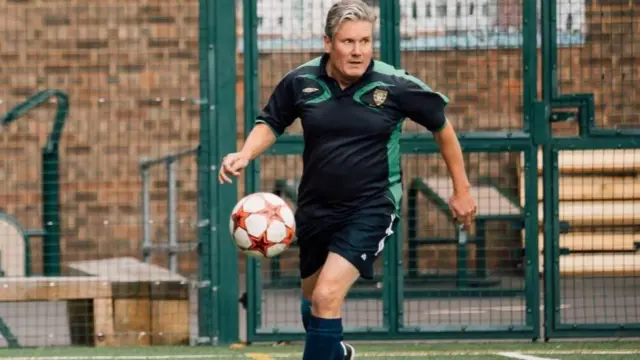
(379, 97)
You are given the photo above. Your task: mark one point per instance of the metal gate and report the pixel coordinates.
(554, 167)
(590, 167)
(491, 288)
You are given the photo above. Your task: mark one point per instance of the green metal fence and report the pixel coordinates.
(590, 163)
(434, 282)
(512, 111)
(543, 95)
(109, 213)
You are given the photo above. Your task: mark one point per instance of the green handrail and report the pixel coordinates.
(50, 174)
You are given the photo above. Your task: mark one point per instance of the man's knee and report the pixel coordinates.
(334, 281)
(326, 299)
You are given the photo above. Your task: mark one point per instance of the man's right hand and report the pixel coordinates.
(232, 164)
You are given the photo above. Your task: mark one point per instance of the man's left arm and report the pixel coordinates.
(452, 154)
(427, 108)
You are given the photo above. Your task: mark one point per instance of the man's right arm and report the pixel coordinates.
(273, 120)
(259, 140)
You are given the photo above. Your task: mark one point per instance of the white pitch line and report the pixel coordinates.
(517, 355)
(368, 354)
(391, 354)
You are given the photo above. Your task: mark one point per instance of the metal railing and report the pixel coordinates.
(172, 246)
(50, 176)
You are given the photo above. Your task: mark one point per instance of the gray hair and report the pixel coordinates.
(346, 10)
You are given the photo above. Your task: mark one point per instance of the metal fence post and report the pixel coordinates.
(172, 201)
(219, 292)
(146, 213)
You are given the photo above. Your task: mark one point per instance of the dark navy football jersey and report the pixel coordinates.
(351, 157)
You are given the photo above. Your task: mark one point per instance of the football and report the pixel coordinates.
(262, 225)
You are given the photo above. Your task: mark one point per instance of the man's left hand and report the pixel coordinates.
(463, 207)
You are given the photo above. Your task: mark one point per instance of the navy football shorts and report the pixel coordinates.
(359, 238)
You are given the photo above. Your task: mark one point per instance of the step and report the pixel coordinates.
(598, 264)
(595, 241)
(596, 161)
(575, 188)
(597, 213)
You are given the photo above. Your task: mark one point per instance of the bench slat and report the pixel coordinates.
(489, 200)
(42, 288)
(125, 269)
(594, 188)
(601, 160)
(586, 241)
(597, 213)
(599, 264)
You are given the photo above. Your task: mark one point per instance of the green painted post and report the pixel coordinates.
(205, 296)
(549, 50)
(534, 122)
(51, 212)
(390, 32)
(51, 189)
(224, 118)
(532, 280)
(551, 287)
(50, 174)
(549, 92)
(11, 339)
(392, 258)
(252, 173)
(219, 291)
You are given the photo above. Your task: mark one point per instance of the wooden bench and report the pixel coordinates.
(90, 294)
(599, 200)
(493, 205)
(110, 302)
(150, 303)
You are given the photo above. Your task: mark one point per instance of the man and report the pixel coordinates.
(352, 109)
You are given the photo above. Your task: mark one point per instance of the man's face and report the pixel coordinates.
(351, 49)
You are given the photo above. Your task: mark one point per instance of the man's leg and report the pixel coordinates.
(308, 284)
(352, 252)
(314, 248)
(324, 333)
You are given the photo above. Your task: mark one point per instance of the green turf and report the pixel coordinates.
(605, 350)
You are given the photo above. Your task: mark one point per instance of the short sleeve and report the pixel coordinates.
(421, 104)
(279, 112)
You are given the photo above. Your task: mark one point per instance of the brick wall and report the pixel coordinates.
(131, 71)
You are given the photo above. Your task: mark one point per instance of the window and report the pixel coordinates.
(414, 10)
(441, 9)
(429, 9)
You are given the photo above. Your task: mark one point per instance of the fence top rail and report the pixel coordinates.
(146, 163)
(62, 100)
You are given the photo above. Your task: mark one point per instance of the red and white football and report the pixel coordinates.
(262, 225)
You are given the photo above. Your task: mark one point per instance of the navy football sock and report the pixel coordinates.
(323, 340)
(305, 311)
